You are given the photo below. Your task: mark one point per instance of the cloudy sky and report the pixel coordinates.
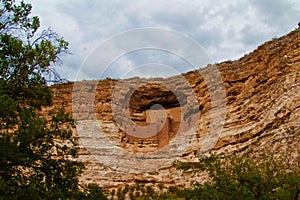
(226, 30)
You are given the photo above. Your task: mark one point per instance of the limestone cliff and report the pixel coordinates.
(262, 111)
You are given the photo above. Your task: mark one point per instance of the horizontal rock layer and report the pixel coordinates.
(252, 105)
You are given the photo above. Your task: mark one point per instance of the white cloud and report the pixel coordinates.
(226, 30)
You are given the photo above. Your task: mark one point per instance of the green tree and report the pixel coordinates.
(245, 177)
(36, 148)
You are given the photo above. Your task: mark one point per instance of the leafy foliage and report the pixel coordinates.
(245, 177)
(36, 149)
(273, 176)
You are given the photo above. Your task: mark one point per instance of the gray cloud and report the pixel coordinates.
(226, 30)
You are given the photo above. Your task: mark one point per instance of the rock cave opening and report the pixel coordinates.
(152, 105)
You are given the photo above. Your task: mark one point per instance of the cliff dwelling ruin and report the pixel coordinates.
(156, 108)
(262, 112)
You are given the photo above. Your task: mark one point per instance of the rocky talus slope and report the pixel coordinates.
(260, 110)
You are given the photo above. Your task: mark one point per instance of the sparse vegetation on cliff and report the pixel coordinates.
(38, 149)
(271, 176)
(243, 177)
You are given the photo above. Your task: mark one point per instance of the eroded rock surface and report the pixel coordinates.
(262, 111)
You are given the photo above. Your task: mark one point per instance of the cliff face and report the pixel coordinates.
(261, 111)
